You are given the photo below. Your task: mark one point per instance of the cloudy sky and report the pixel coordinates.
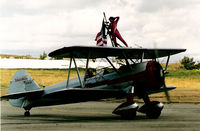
(33, 26)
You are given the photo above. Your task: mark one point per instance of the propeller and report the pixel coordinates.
(166, 92)
(156, 52)
(163, 71)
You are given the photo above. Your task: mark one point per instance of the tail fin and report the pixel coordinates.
(21, 82)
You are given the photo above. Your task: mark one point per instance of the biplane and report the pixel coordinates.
(140, 74)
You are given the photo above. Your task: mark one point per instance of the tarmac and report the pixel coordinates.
(92, 116)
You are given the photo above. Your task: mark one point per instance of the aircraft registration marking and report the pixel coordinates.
(21, 79)
(28, 82)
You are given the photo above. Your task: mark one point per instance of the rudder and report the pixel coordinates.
(21, 82)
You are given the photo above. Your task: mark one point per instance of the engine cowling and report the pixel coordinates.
(154, 74)
(149, 75)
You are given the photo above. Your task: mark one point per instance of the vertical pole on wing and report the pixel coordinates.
(69, 72)
(77, 72)
(108, 30)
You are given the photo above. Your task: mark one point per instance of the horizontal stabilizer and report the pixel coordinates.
(30, 94)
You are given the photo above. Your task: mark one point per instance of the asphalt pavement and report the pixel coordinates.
(98, 116)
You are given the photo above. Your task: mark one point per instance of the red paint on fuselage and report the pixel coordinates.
(150, 77)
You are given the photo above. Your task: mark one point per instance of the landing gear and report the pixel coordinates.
(152, 109)
(153, 114)
(128, 109)
(130, 115)
(27, 113)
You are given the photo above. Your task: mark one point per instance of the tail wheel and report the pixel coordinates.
(26, 113)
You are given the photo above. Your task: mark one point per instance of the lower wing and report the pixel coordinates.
(82, 92)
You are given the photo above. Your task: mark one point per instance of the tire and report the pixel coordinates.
(153, 114)
(129, 116)
(26, 113)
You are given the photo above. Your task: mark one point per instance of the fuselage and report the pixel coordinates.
(147, 75)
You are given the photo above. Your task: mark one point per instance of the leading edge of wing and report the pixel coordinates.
(93, 52)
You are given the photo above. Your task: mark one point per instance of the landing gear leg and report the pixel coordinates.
(152, 109)
(127, 110)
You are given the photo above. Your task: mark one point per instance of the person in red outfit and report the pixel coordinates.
(114, 31)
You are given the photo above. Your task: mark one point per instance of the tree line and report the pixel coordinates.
(189, 63)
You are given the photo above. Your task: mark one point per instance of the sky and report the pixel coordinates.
(29, 27)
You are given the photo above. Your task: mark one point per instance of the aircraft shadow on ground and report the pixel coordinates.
(70, 118)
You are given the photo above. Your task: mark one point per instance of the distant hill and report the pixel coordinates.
(16, 56)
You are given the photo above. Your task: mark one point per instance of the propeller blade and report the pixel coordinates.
(156, 52)
(166, 93)
(164, 86)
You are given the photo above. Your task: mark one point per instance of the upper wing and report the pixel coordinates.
(93, 52)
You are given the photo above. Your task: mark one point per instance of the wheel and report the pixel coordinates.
(129, 116)
(26, 113)
(153, 114)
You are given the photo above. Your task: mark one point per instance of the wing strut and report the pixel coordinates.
(127, 63)
(165, 71)
(69, 72)
(86, 71)
(142, 57)
(112, 65)
(77, 72)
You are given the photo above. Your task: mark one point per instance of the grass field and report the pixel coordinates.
(186, 81)
(48, 77)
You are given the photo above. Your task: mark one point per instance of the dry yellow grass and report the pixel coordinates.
(187, 82)
(183, 83)
(48, 77)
